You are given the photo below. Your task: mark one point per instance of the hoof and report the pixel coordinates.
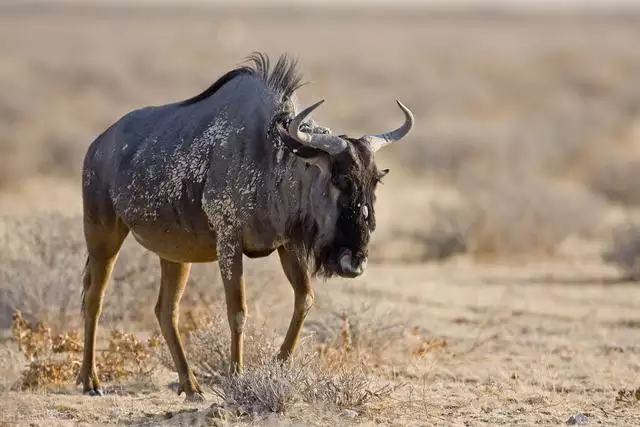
(196, 397)
(96, 392)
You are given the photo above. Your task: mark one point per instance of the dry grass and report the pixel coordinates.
(55, 360)
(313, 377)
(332, 372)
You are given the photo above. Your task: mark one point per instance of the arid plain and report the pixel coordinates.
(501, 287)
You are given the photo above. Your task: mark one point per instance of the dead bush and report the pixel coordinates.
(350, 387)
(56, 359)
(616, 179)
(509, 216)
(265, 386)
(628, 396)
(329, 368)
(355, 333)
(272, 386)
(206, 337)
(42, 258)
(623, 250)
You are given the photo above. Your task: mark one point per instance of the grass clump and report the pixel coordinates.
(305, 382)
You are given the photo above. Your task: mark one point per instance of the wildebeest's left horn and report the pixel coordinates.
(376, 142)
(328, 143)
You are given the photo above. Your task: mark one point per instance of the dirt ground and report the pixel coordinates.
(529, 345)
(491, 223)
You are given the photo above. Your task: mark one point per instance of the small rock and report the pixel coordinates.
(578, 419)
(348, 413)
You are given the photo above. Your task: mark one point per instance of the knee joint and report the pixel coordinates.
(240, 320)
(307, 302)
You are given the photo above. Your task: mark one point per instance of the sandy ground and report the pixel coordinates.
(528, 345)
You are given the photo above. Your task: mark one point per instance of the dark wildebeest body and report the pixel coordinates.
(219, 176)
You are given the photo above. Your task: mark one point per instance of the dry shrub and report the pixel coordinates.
(265, 386)
(515, 215)
(206, 337)
(56, 359)
(624, 250)
(628, 396)
(326, 370)
(616, 178)
(40, 269)
(305, 380)
(353, 333)
(349, 387)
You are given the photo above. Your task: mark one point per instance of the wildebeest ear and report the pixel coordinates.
(295, 147)
(322, 161)
(382, 173)
(311, 156)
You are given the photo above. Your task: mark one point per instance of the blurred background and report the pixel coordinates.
(527, 142)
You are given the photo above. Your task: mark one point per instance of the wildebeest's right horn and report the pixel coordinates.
(376, 142)
(328, 143)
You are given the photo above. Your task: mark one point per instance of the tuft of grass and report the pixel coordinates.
(628, 396)
(270, 386)
(265, 386)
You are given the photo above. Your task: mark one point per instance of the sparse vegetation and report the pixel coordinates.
(268, 386)
(56, 359)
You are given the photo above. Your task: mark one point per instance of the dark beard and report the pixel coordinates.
(322, 259)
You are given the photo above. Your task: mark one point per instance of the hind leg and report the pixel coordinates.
(173, 281)
(103, 245)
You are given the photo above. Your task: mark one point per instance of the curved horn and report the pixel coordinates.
(328, 143)
(377, 142)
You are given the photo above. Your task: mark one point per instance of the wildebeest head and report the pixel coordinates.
(343, 205)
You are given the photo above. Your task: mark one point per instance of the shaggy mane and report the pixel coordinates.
(283, 79)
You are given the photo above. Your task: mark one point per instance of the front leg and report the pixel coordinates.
(230, 262)
(298, 275)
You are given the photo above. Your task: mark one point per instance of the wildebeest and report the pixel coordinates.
(233, 171)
